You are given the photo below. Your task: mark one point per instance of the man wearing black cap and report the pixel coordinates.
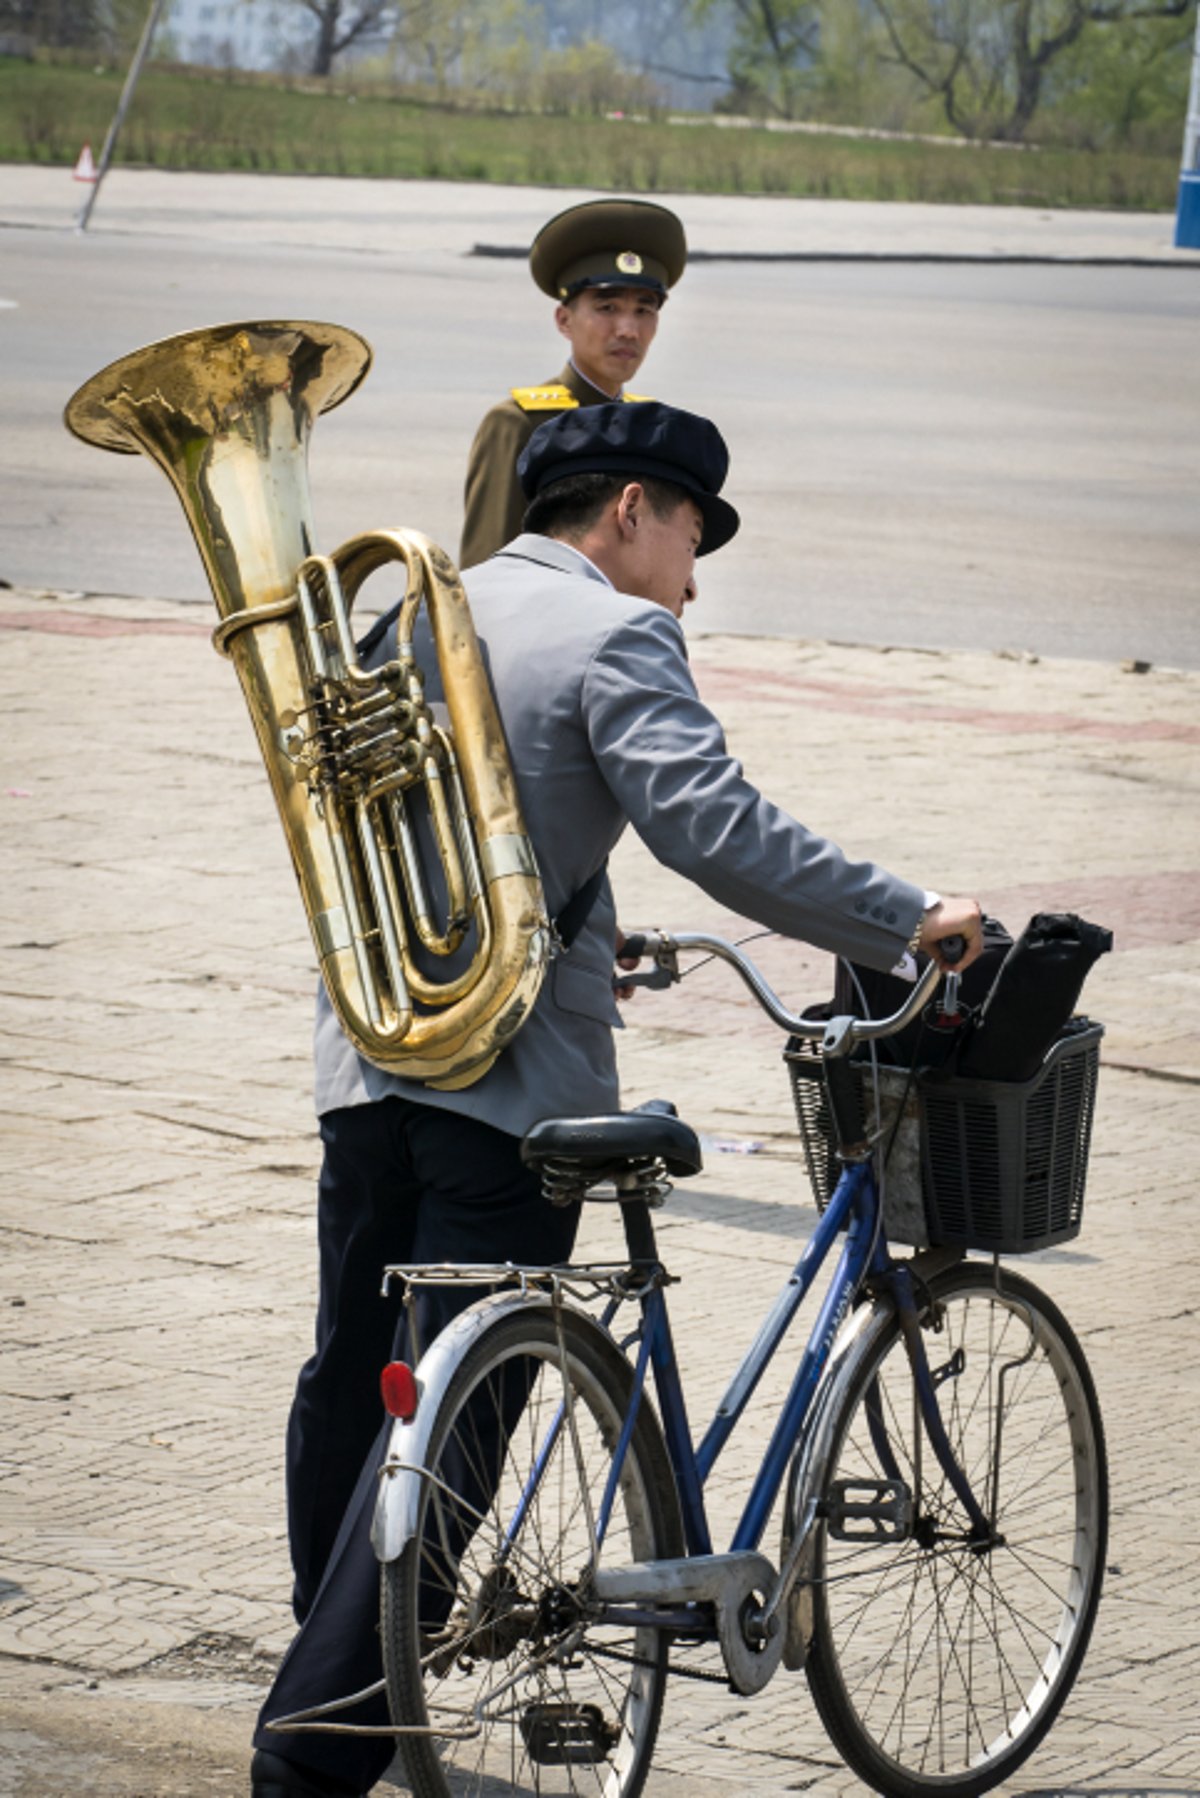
(609, 265)
(579, 621)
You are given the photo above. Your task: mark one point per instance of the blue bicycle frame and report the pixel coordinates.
(855, 1208)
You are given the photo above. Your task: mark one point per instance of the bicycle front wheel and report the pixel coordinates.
(489, 1632)
(939, 1662)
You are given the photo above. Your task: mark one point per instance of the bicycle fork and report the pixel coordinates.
(927, 1412)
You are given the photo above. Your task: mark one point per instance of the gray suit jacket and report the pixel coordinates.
(605, 728)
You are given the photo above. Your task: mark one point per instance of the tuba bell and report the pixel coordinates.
(431, 960)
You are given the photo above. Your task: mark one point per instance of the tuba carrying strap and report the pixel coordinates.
(370, 641)
(576, 912)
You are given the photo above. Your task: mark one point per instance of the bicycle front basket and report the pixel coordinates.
(1003, 1164)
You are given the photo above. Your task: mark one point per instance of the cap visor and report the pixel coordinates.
(617, 281)
(721, 522)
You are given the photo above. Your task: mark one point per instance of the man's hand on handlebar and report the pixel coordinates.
(620, 989)
(947, 919)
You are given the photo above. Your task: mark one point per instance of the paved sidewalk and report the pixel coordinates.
(420, 217)
(157, 1285)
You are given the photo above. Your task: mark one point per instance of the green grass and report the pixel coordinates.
(195, 121)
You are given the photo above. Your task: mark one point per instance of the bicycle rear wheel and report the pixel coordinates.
(938, 1664)
(486, 1610)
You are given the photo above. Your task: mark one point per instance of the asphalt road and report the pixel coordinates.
(933, 455)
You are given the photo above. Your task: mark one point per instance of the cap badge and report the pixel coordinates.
(629, 262)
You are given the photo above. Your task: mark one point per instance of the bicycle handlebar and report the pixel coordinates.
(838, 1035)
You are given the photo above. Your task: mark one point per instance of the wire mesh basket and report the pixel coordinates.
(978, 1164)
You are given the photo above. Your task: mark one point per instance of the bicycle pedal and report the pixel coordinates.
(869, 1511)
(567, 1735)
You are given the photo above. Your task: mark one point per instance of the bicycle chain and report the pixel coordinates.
(674, 1668)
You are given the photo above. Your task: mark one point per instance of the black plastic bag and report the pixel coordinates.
(882, 994)
(1032, 998)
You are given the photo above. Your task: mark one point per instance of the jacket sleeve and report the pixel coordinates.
(663, 756)
(494, 504)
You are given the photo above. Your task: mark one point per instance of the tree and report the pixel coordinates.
(341, 23)
(774, 41)
(987, 60)
(1121, 85)
(60, 24)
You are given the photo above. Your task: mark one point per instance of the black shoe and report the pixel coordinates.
(273, 1777)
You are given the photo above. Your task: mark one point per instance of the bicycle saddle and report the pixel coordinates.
(602, 1142)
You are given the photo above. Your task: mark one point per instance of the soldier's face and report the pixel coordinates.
(609, 330)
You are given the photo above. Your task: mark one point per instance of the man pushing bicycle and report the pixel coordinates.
(580, 621)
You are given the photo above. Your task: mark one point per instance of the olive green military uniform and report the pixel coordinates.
(602, 243)
(495, 506)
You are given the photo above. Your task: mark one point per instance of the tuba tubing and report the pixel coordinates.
(357, 763)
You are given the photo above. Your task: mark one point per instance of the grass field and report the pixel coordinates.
(195, 121)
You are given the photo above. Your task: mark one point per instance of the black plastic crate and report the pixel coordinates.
(978, 1164)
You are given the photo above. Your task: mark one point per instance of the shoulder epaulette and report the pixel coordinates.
(554, 398)
(629, 397)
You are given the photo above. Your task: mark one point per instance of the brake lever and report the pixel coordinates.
(665, 971)
(657, 978)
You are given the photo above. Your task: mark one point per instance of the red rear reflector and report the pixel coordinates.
(399, 1386)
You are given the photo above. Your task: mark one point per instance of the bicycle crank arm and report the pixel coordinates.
(735, 1584)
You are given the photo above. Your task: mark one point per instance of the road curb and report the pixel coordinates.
(514, 252)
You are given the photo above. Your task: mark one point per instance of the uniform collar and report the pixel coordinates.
(552, 552)
(585, 391)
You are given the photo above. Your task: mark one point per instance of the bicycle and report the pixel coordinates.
(541, 1526)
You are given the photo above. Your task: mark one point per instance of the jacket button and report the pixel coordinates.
(891, 918)
(861, 906)
(877, 911)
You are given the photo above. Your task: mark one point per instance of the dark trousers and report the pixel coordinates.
(399, 1183)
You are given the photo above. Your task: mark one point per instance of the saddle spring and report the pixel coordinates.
(566, 1182)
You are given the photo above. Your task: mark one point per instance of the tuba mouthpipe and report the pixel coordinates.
(447, 845)
(390, 924)
(386, 1022)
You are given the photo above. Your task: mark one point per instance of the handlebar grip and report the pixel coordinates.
(952, 948)
(634, 945)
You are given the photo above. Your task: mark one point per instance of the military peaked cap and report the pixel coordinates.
(645, 440)
(609, 243)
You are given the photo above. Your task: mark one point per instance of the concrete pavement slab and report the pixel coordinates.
(422, 218)
(157, 1287)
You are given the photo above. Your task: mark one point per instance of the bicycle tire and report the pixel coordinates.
(938, 1667)
(517, 1612)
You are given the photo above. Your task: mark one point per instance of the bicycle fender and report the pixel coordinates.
(810, 1469)
(400, 1477)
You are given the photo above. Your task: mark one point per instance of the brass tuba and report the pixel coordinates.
(361, 769)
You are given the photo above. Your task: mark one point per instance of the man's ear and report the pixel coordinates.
(563, 319)
(629, 509)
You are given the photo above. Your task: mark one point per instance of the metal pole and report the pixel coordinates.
(1187, 214)
(131, 81)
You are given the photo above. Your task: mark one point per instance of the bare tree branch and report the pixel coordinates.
(987, 65)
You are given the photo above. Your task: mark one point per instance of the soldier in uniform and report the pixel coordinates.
(609, 265)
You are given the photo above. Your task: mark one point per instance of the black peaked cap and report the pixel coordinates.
(642, 439)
